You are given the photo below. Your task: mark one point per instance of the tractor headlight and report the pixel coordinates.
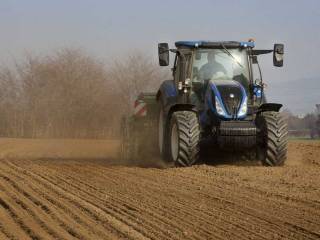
(243, 108)
(219, 107)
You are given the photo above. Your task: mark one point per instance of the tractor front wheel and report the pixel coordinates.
(272, 138)
(184, 137)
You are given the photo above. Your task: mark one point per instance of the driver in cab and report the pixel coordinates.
(208, 71)
(211, 68)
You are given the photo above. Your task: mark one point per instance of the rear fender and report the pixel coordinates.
(167, 93)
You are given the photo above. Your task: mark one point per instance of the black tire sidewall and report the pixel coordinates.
(173, 121)
(164, 154)
(265, 142)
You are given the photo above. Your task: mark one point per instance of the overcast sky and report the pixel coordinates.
(107, 29)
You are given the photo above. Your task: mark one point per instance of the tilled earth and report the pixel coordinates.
(76, 189)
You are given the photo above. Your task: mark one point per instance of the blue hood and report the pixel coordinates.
(231, 97)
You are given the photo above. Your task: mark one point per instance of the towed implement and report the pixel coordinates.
(213, 97)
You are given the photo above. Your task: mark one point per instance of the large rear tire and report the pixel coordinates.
(184, 136)
(272, 138)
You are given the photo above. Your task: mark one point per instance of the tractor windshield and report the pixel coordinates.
(220, 64)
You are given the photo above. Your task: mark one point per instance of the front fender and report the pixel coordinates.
(167, 95)
(269, 107)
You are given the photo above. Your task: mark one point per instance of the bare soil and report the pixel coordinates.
(77, 189)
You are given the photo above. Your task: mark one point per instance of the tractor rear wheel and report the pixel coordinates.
(184, 138)
(272, 138)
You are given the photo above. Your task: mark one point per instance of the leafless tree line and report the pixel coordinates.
(70, 94)
(301, 126)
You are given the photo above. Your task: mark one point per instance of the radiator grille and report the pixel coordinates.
(231, 97)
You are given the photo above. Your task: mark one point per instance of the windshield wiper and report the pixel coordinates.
(229, 53)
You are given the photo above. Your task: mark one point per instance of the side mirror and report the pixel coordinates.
(163, 52)
(278, 52)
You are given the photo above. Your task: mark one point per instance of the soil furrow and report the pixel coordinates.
(9, 228)
(156, 213)
(44, 222)
(200, 192)
(202, 218)
(175, 214)
(71, 225)
(132, 213)
(20, 217)
(99, 213)
(67, 196)
(181, 212)
(48, 219)
(235, 193)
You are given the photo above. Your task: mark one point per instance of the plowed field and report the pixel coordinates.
(68, 189)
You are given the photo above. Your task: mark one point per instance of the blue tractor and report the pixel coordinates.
(213, 97)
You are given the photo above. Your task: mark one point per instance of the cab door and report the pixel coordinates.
(181, 72)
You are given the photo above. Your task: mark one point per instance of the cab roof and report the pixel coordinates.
(213, 44)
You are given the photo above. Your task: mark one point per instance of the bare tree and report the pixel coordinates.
(71, 94)
(10, 103)
(135, 74)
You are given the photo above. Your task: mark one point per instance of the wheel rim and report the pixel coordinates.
(174, 142)
(160, 130)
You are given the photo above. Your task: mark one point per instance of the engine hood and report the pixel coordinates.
(227, 99)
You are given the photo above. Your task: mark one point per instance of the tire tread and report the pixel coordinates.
(189, 137)
(275, 132)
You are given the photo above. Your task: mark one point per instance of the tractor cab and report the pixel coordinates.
(218, 72)
(217, 77)
(219, 64)
(226, 61)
